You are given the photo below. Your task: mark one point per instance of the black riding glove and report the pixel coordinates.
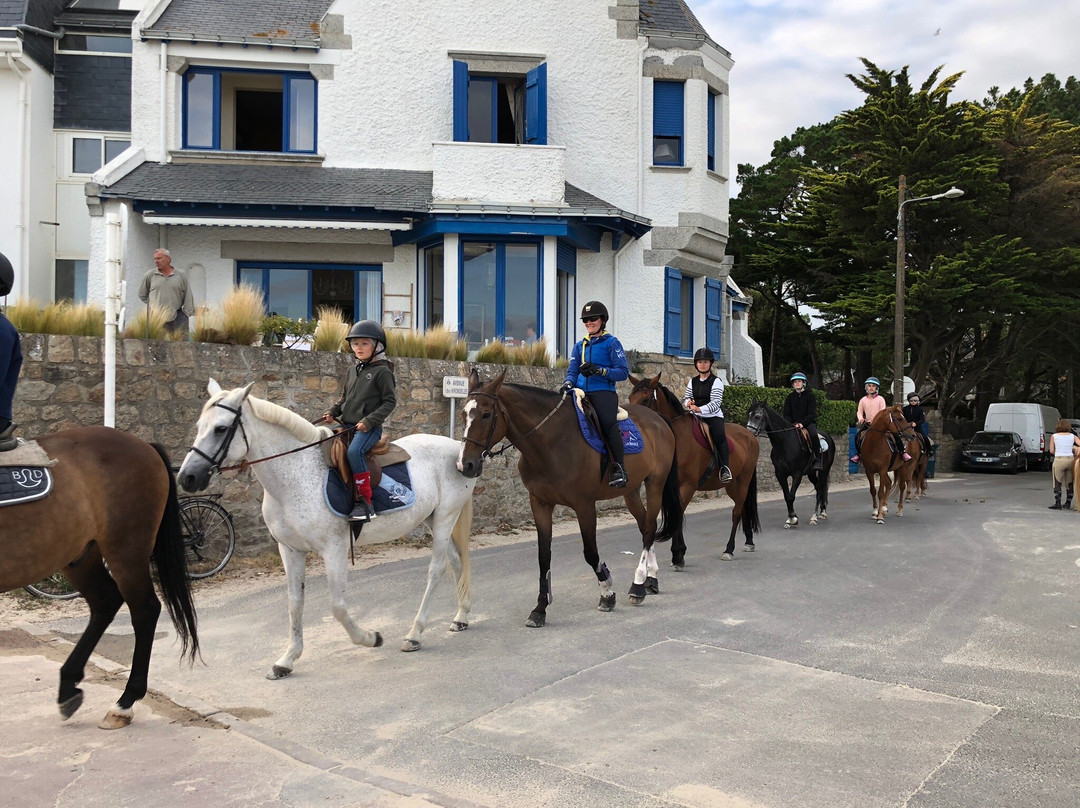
(566, 387)
(589, 369)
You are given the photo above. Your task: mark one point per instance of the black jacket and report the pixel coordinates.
(913, 413)
(801, 408)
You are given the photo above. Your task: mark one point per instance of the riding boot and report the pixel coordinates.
(362, 510)
(815, 462)
(1068, 498)
(1057, 498)
(617, 474)
(8, 441)
(725, 461)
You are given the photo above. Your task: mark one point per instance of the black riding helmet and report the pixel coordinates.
(912, 395)
(594, 308)
(704, 353)
(371, 330)
(7, 276)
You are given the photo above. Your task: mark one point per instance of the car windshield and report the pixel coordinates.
(992, 439)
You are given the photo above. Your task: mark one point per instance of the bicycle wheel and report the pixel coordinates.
(56, 586)
(209, 540)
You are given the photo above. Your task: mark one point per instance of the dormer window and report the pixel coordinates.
(500, 108)
(249, 110)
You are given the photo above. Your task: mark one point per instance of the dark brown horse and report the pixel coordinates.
(113, 505)
(694, 461)
(558, 467)
(879, 458)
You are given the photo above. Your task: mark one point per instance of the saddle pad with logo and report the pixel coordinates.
(633, 443)
(393, 493)
(24, 484)
(700, 437)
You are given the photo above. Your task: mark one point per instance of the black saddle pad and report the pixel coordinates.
(24, 484)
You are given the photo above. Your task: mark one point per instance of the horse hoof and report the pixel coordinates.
(880, 521)
(68, 708)
(749, 548)
(726, 557)
(378, 640)
(607, 604)
(410, 645)
(652, 586)
(677, 566)
(823, 516)
(536, 620)
(117, 718)
(813, 521)
(788, 526)
(278, 672)
(636, 601)
(459, 625)
(637, 593)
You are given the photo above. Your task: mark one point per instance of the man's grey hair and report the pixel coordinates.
(164, 252)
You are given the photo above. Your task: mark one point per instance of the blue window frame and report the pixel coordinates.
(714, 297)
(249, 110)
(668, 123)
(500, 109)
(299, 290)
(500, 290)
(678, 313)
(714, 99)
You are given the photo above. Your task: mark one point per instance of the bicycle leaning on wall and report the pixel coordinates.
(209, 542)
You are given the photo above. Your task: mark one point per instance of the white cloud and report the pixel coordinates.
(791, 56)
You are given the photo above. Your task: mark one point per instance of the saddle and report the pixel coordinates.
(24, 473)
(383, 453)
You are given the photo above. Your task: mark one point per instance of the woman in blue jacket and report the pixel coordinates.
(596, 364)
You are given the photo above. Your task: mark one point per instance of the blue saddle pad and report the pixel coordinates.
(393, 493)
(24, 484)
(631, 435)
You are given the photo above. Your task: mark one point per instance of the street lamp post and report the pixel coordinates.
(901, 261)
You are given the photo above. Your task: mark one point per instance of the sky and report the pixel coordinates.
(792, 56)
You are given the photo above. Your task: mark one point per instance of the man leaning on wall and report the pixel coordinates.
(167, 287)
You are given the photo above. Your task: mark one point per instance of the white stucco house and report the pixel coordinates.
(484, 164)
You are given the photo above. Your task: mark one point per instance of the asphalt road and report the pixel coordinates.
(931, 661)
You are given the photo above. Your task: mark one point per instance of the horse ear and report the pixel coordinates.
(246, 393)
(474, 379)
(212, 387)
(634, 380)
(496, 383)
(655, 380)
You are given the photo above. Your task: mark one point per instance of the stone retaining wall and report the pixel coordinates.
(161, 388)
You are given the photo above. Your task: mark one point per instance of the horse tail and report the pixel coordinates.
(750, 522)
(460, 534)
(671, 510)
(170, 560)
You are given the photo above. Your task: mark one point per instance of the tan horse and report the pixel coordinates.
(878, 460)
(694, 460)
(113, 507)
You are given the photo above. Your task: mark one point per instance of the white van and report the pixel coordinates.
(1034, 423)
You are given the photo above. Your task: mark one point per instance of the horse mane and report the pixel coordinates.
(299, 428)
(671, 398)
(528, 388)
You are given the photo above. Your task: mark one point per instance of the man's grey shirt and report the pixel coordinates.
(170, 292)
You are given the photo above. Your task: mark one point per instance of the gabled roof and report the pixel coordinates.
(670, 15)
(296, 20)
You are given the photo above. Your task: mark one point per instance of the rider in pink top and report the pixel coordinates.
(869, 406)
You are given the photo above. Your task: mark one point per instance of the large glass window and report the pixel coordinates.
(433, 286)
(500, 109)
(249, 110)
(88, 154)
(300, 290)
(500, 291)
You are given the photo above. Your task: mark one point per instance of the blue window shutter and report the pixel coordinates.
(713, 98)
(714, 295)
(461, 102)
(668, 114)
(536, 106)
(566, 258)
(672, 311)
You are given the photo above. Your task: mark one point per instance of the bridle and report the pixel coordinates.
(223, 449)
(485, 445)
(762, 417)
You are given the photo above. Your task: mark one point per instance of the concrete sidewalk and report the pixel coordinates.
(173, 755)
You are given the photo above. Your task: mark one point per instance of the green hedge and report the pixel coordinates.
(834, 417)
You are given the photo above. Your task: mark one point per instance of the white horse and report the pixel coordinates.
(235, 425)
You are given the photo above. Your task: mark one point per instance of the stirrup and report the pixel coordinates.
(362, 512)
(816, 464)
(725, 474)
(618, 476)
(8, 441)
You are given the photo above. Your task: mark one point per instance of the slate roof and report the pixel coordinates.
(670, 15)
(313, 186)
(259, 19)
(12, 12)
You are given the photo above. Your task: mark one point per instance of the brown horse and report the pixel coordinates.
(558, 467)
(113, 506)
(694, 460)
(878, 458)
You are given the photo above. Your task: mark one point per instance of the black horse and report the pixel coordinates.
(791, 459)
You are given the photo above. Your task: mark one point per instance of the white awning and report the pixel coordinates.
(292, 224)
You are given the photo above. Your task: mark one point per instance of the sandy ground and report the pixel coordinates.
(266, 570)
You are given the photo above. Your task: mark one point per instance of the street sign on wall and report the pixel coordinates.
(455, 386)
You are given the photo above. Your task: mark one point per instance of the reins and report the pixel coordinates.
(488, 451)
(223, 449)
